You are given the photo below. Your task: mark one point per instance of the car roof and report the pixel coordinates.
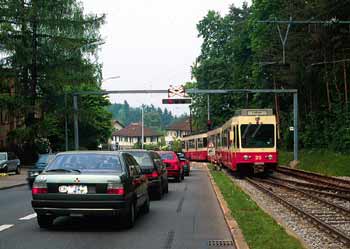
(166, 151)
(136, 150)
(101, 152)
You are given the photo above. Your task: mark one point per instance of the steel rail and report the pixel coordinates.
(320, 200)
(312, 186)
(316, 221)
(314, 177)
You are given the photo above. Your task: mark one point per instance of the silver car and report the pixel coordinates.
(9, 162)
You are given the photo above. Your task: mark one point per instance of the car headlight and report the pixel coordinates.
(34, 173)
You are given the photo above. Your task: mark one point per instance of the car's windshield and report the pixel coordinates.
(3, 156)
(43, 159)
(181, 155)
(258, 136)
(167, 156)
(142, 158)
(86, 162)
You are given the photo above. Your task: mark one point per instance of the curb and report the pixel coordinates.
(236, 233)
(13, 186)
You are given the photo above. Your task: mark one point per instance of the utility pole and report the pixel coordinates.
(66, 121)
(76, 121)
(142, 128)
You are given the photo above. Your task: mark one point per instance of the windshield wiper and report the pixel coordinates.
(256, 131)
(63, 170)
(245, 131)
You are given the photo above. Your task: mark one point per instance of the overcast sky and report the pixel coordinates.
(151, 44)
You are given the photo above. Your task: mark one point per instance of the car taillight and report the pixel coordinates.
(115, 189)
(154, 174)
(176, 166)
(39, 188)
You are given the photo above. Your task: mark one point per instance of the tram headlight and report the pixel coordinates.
(246, 157)
(269, 157)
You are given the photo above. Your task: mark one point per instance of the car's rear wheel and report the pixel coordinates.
(178, 178)
(18, 170)
(45, 221)
(129, 219)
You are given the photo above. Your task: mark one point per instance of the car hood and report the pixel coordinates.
(78, 178)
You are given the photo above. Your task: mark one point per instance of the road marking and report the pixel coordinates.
(28, 217)
(6, 226)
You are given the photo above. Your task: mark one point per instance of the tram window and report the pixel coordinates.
(205, 142)
(229, 141)
(258, 136)
(200, 143)
(224, 138)
(218, 144)
(236, 135)
(191, 144)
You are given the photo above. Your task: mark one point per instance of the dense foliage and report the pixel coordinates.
(49, 48)
(239, 52)
(154, 118)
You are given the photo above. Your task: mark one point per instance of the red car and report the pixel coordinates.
(173, 165)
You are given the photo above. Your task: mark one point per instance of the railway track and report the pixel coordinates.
(321, 211)
(322, 180)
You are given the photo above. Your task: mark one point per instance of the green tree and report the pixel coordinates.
(50, 48)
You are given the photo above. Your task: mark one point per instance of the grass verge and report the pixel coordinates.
(320, 161)
(259, 229)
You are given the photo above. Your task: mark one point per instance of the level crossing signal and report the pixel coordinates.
(177, 101)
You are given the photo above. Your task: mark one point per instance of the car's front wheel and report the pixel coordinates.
(166, 188)
(159, 193)
(18, 170)
(45, 221)
(146, 207)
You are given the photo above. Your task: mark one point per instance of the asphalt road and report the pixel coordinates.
(188, 217)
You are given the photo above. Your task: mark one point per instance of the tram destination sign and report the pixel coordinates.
(254, 112)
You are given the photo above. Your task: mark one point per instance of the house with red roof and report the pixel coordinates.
(127, 137)
(177, 130)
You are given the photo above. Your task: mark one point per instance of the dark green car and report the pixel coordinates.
(90, 183)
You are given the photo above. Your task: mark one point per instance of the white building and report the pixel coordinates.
(127, 137)
(177, 130)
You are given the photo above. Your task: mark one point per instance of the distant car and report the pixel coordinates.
(90, 183)
(39, 166)
(9, 162)
(185, 163)
(153, 167)
(173, 165)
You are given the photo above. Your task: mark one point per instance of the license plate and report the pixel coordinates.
(73, 189)
(258, 163)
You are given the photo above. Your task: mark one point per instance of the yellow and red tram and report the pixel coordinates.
(246, 142)
(195, 147)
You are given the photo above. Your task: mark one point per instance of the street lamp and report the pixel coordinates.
(110, 78)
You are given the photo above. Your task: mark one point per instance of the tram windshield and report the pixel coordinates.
(258, 136)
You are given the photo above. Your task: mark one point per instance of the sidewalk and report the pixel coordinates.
(12, 180)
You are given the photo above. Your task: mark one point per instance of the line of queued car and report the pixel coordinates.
(119, 184)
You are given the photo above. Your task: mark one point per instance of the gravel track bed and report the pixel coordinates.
(311, 236)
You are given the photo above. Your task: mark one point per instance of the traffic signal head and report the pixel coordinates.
(176, 101)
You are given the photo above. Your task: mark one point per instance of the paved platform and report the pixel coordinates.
(12, 180)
